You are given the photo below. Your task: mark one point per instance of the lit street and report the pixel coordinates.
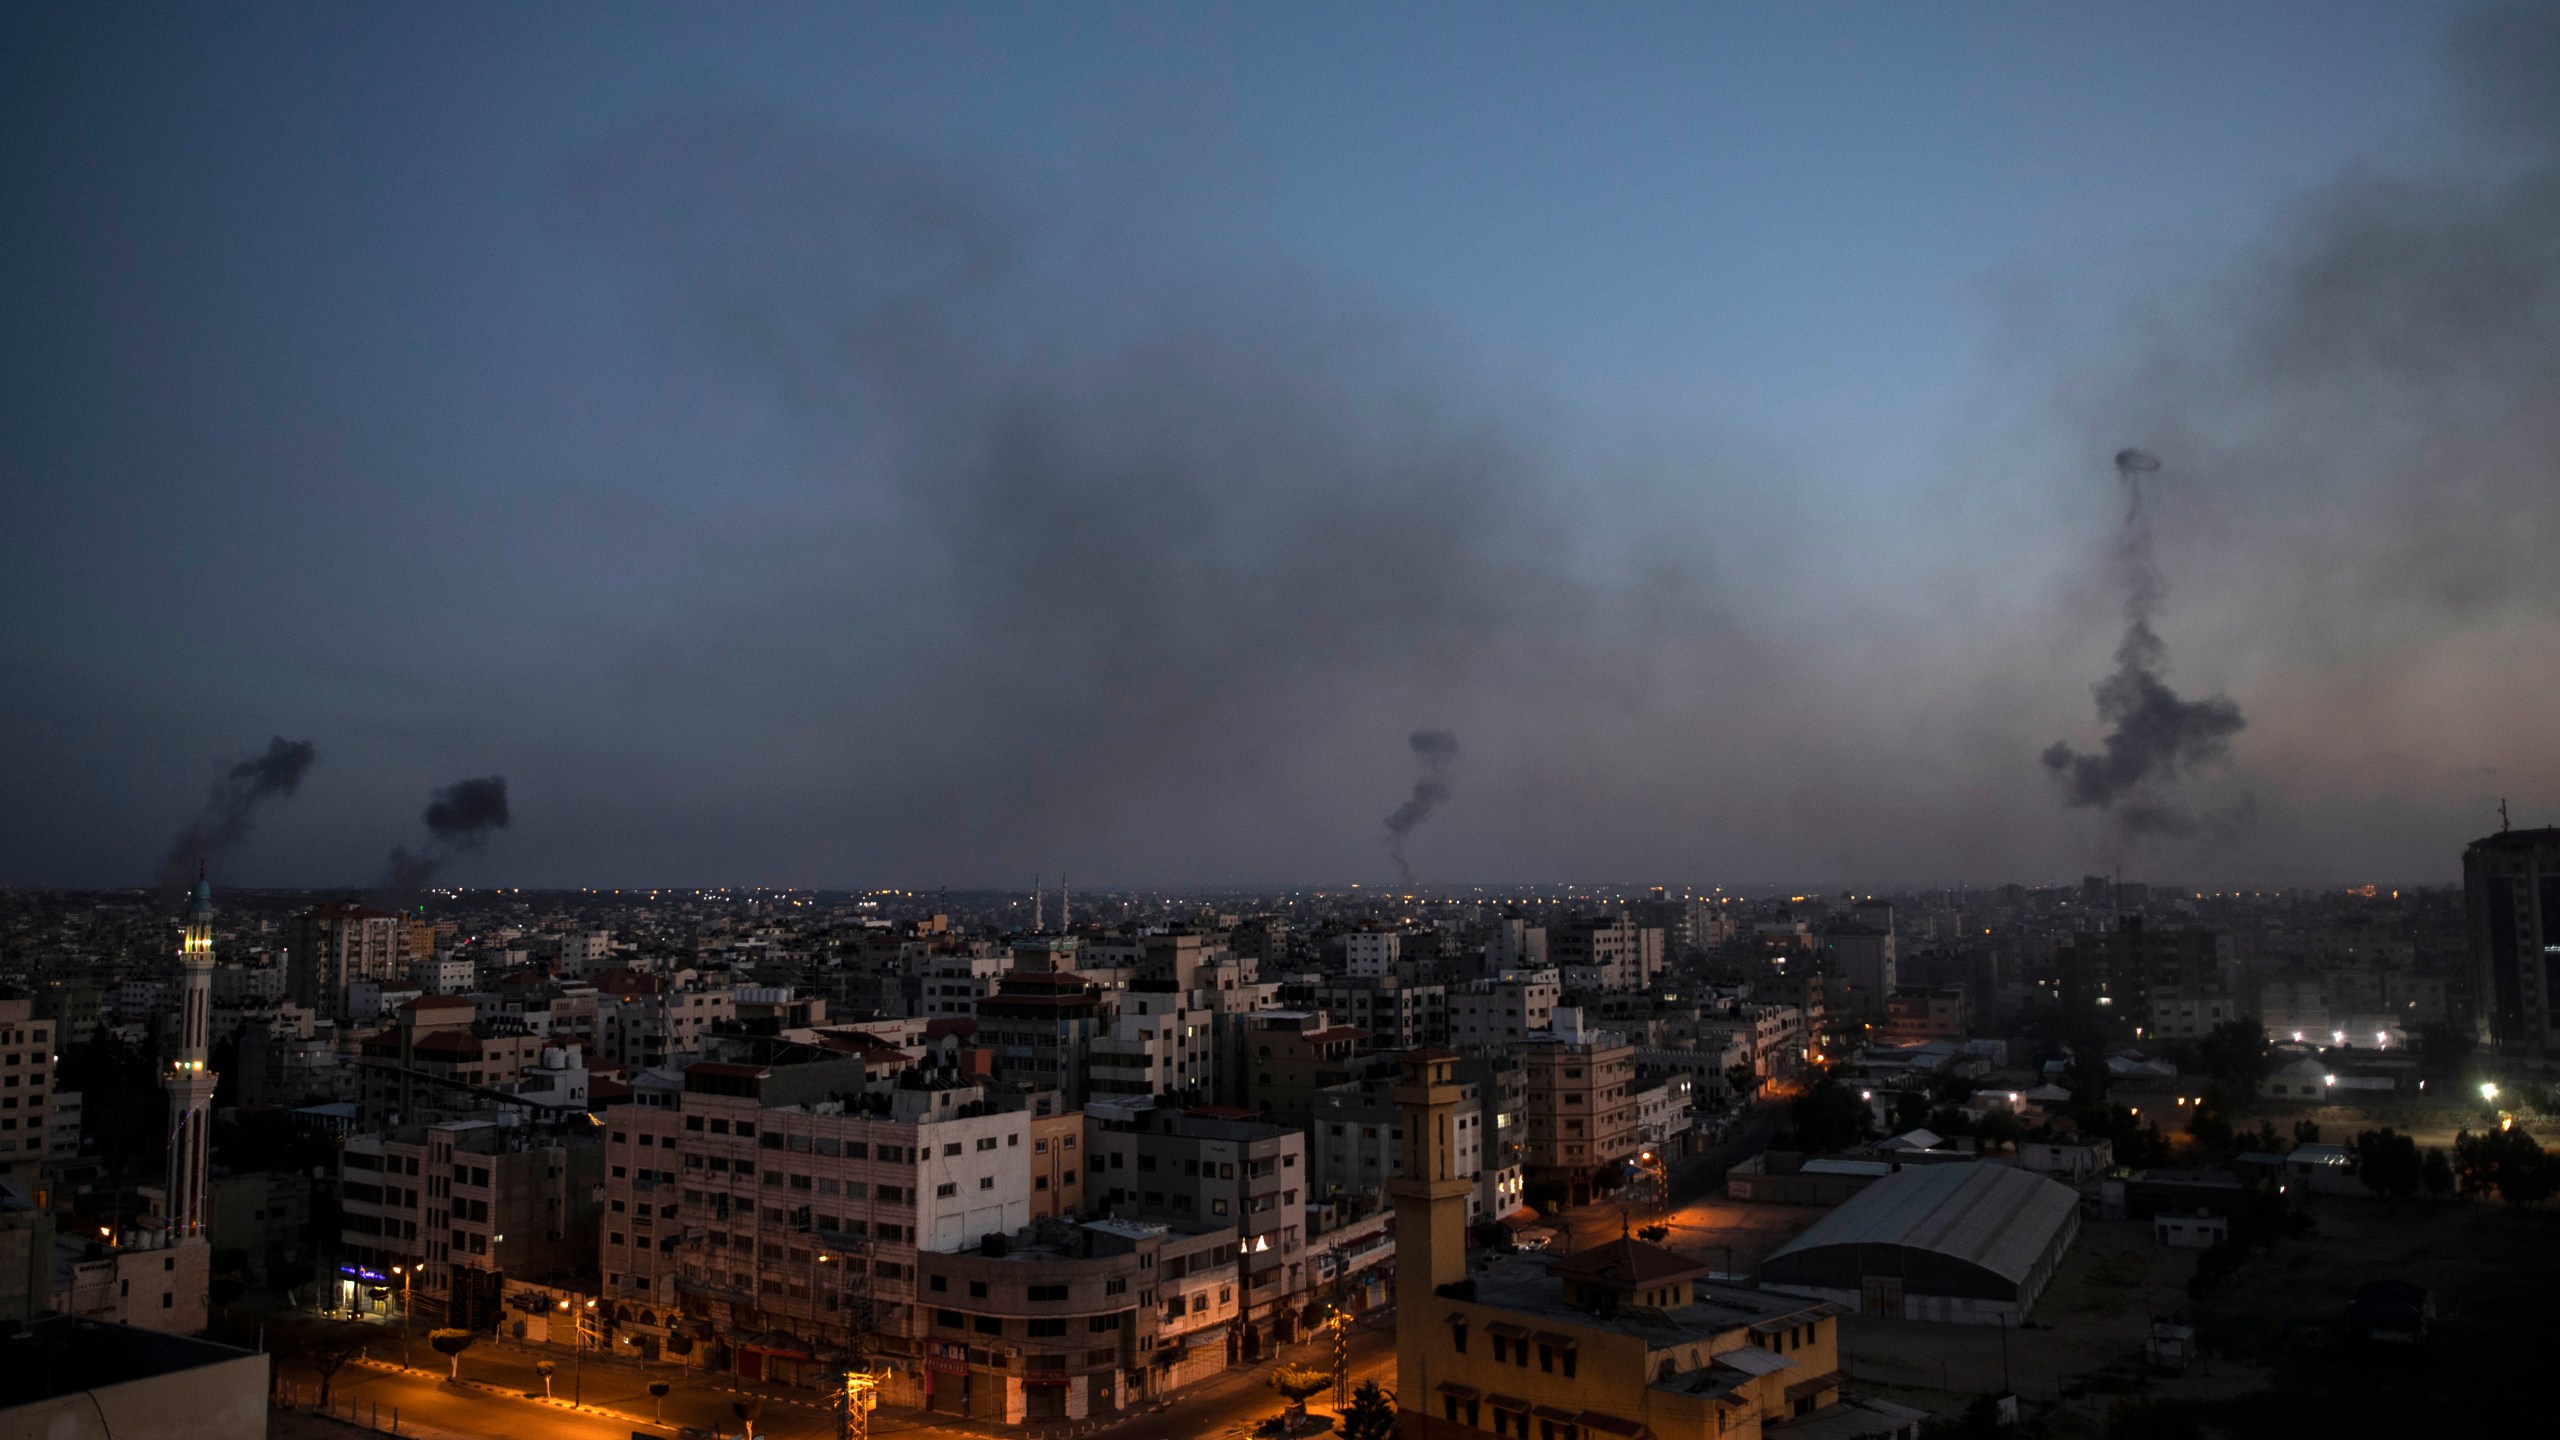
(499, 1398)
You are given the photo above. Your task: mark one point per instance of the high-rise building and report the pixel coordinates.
(26, 1066)
(1581, 1103)
(334, 944)
(1213, 1168)
(2511, 900)
(789, 1202)
(2114, 973)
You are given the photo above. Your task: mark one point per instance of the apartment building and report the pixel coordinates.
(26, 1093)
(1397, 1014)
(1915, 1015)
(1581, 1103)
(1503, 1011)
(1157, 1045)
(436, 1064)
(952, 983)
(1057, 1165)
(331, 945)
(1371, 954)
(644, 1020)
(1041, 1025)
(1212, 1168)
(1288, 1055)
(464, 1205)
(1356, 1143)
(1595, 953)
(790, 1202)
(1064, 1322)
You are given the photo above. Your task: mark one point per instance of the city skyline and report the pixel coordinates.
(895, 448)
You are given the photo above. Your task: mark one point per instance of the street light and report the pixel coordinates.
(2488, 1092)
(403, 1272)
(578, 1376)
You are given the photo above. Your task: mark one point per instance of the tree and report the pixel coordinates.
(1910, 1110)
(1740, 1079)
(2388, 1163)
(679, 1343)
(2132, 1419)
(2306, 1132)
(2234, 1053)
(2210, 1122)
(1297, 1382)
(1829, 1116)
(325, 1347)
(1999, 1130)
(1370, 1415)
(2510, 1162)
(657, 1402)
(2437, 1173)
(546, 1369)
(1980, 1421)
(748, 1409)
(451, 1344)
(1654, 1234)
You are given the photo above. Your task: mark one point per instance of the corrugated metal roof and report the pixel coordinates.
(1988, 1215)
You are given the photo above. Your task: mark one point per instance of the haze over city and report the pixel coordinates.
(947, 445)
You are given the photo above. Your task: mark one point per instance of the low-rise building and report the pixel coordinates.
(1065, 1322)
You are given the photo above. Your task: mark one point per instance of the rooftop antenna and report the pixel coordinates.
(1063, 926)
(1037, 913)
(2502, 814)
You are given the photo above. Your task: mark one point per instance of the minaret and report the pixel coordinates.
(1431, 1212)
(189, 1083)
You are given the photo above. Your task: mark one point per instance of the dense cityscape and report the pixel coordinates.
(1144, 720)
(1047, 1159)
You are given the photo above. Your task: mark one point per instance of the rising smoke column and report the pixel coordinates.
(2156, 735)
(233, 806)
(1437, 750)
(459, 820)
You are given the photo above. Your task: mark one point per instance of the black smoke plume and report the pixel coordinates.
(232, 807)
(459, 820)
(1437, 750)
(2156, 735)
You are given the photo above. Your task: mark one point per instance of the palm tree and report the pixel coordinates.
(1370, 1415)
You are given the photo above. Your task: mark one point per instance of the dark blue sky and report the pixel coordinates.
(934, 444)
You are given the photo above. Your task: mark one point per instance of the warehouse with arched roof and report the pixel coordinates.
(1966, 1243)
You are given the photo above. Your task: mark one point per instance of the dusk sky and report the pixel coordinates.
(939, 445)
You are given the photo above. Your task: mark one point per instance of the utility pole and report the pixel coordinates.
(861, 1397)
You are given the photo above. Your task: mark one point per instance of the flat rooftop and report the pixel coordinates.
(1523, 1286)
(65, 1354)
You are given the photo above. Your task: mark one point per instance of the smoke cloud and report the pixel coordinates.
(1437, 750)
(232, 808)
(459, 821)
(2156, 736)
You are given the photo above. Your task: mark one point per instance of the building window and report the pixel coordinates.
(1458, 1341)
(946, 1189)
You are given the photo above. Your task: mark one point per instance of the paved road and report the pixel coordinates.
(500, 1397)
